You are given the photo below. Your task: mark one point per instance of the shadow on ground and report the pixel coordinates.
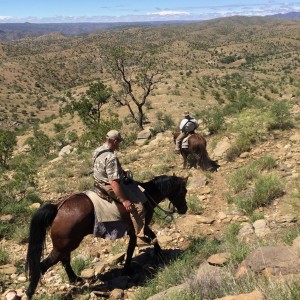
(144, 267)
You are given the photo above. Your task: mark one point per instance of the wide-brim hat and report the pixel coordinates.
(114, 135)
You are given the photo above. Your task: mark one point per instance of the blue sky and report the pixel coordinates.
(47, 11)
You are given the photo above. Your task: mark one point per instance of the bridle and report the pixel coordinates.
(153, 204)
(171, 211)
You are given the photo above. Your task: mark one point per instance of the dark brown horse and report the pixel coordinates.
(72, 219)
(197, 148)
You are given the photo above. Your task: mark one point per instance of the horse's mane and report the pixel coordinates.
(162, 184)
(165, 183)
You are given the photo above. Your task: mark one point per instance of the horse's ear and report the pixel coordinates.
(174, 174)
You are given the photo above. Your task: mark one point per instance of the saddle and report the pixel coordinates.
(185, 141)
(104, 191)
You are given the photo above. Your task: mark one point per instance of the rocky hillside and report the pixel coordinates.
(201, 61)
(208, 217)
(243, 74)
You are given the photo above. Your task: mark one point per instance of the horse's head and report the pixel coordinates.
(171, 187)
(178, 195)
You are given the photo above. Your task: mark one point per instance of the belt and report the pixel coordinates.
(101, 192)
(101, 181)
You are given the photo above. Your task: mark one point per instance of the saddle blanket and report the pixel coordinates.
(108, 220)
(185, 142)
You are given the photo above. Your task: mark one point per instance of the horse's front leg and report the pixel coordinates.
(130, 251)
(152, 236)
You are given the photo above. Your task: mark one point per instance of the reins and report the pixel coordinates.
(153, 204)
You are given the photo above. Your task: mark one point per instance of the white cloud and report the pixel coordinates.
(5, 17)
(169, 12)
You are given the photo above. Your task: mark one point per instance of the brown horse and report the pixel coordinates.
(72, 219)
(197, 148)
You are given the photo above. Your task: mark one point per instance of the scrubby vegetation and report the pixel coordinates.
(242, 86)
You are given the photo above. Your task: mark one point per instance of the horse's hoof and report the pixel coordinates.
(77, 281)
(28, 295)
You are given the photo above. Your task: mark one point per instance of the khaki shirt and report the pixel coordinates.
(106, 165)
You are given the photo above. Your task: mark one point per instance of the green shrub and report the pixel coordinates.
(164, 122)
(40, 144)
(240, 179)
(238, 250)
(168, 121)
(289, 235)
(250, 126)
(20, 234)
(159, 115)
(78, 264)
(20, 212)
(252, 188)
(256, 216)
(241, 100)
(214, 120)
(266, 188)
(72, 137)
(281, 116)
(8, 141)
(95, 135)
(194, 205)
(4, 256)
(264, 163)
(58, 127)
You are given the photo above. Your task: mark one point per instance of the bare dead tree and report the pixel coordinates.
(137, 75)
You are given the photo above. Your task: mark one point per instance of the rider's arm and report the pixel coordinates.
(115, 185)
(182, 124)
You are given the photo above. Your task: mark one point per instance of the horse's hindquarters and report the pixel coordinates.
(75, 219)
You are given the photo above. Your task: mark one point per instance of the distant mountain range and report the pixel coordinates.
(15, 31)
(290, 15)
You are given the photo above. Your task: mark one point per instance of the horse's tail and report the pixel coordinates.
(206, 163)
(40, 221)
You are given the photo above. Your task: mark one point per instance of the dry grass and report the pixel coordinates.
(44, 68)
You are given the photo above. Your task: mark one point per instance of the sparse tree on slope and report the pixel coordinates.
(89, 106)
(8, 141)
(136, 75)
